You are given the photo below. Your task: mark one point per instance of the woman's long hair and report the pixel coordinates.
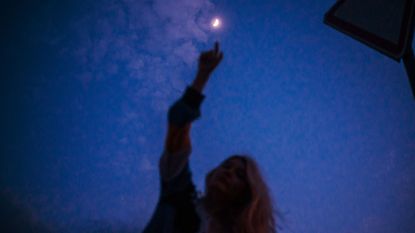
(257, 214)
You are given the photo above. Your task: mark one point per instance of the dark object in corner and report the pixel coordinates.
(384, 25)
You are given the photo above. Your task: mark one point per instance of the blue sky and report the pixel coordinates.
(87, 86)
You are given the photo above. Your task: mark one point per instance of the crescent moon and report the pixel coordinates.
(216, 23)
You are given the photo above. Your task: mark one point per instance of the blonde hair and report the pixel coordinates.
(256, 215)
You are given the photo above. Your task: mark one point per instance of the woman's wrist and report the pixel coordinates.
(198, 85)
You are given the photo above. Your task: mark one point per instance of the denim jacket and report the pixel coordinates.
(176, 210)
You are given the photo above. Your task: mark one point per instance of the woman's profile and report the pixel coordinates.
(236, 199)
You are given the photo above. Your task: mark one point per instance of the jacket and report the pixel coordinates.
(176, 210)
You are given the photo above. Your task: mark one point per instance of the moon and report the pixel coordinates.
(216, 23)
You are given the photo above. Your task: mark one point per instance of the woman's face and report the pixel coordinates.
(228, 179)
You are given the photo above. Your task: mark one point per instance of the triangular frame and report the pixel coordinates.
(394, 51)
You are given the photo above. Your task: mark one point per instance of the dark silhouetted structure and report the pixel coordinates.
(384, 25)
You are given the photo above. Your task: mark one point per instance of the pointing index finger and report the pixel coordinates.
(216, 47)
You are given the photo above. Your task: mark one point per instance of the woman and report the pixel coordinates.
(237, 200)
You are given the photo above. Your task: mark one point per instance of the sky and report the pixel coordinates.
(86, 85)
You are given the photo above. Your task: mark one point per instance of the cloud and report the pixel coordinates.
(143, 48)
(151, 41)
(146, 165)
(182, 17)
(148, 48)
(187, 53)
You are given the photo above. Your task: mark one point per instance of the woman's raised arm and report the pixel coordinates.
(178, 135)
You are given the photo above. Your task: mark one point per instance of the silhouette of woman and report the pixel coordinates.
(237, 200)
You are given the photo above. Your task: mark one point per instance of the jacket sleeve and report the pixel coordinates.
(175, 211)
(170, 165)
(179, 193)
(187, 108)
(178, 186)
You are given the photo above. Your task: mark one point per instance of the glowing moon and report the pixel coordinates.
(216, 23)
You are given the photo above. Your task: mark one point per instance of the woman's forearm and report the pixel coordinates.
(200, 81)
(178, 139)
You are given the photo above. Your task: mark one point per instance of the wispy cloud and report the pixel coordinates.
(148, 46)
(146, 165)
(152, 41)
(145, 48)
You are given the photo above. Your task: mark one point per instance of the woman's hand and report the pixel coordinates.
(208, 61)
